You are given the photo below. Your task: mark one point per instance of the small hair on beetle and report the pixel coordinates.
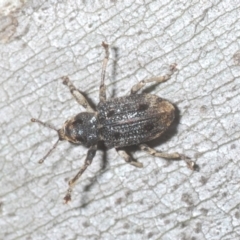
(54, 145)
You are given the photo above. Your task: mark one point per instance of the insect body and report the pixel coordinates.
(118, 122)
(134, 119)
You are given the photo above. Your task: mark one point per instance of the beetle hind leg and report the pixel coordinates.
(190, 164)
(90, 155)
(128, 159)
(141, 84)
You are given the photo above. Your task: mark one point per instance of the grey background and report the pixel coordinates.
(43, 41)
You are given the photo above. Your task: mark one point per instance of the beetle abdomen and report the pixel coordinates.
(134, 119)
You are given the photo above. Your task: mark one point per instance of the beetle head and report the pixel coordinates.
(81, 129)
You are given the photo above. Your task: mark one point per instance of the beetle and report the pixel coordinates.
(118, 122)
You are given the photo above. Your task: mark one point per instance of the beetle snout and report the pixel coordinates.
(61, 134)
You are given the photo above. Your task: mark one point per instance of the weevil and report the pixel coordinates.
(118, 122)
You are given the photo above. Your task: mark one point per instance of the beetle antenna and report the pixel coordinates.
(49, 152)
(54, 145)
(44, 124)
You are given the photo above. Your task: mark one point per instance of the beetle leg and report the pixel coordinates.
(90, 155)
(128, 159)
(102, 91)
(160, 79)
(192, 165)
(77, 94)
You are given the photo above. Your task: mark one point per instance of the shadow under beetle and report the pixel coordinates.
(118, 122)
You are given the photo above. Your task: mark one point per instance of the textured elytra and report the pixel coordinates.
(133, 119)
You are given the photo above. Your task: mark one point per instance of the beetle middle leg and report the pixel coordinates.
(102, 91)
(165, 155)
(77, 94)
(128, 159)
(141, 84)
(90, 155)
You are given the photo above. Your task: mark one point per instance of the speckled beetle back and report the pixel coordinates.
(133, 119)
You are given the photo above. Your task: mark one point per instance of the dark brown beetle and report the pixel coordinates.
(119, 122)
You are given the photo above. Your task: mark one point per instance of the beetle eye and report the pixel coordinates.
(78, 119)
(79, 138)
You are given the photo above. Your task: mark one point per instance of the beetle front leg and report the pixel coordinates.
(128, 159)
(192, 165)
(102, 90)
(77, 94)
(90, 155)
(160, 79)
